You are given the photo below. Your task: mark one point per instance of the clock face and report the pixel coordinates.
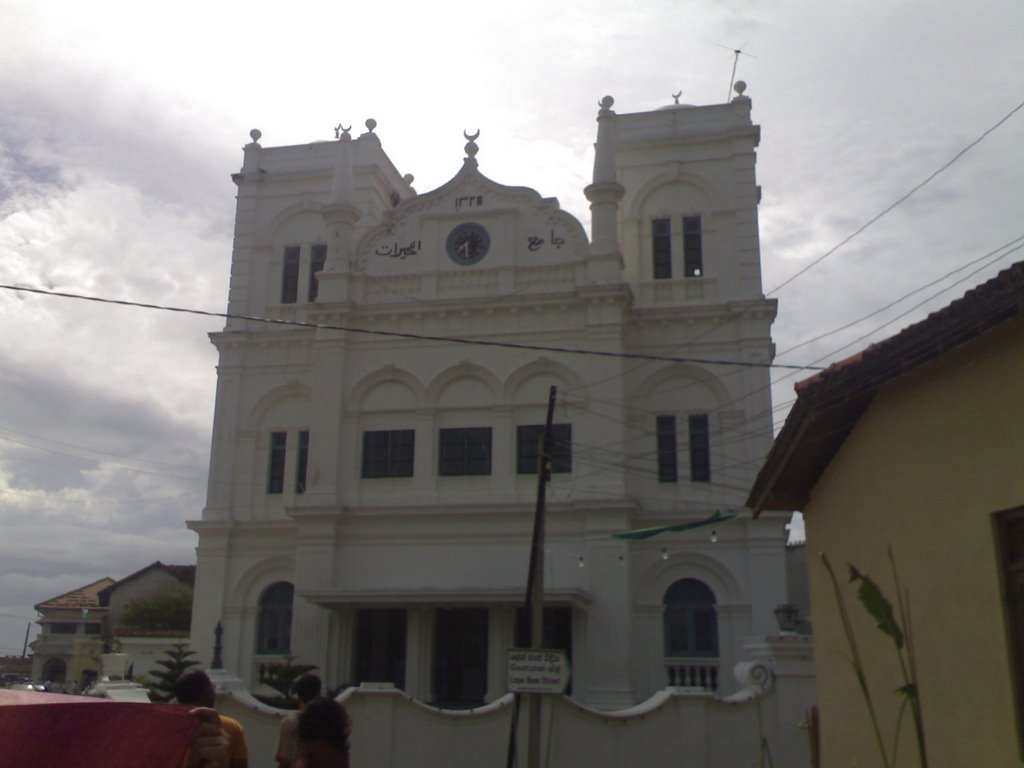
(467, 244)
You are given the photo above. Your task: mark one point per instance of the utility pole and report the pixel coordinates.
(537, 577)
(535, 596)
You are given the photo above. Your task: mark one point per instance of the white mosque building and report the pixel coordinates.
(374, 464)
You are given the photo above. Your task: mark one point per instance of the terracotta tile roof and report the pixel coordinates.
(83, 597)
(831, 402)
(186, 574)
(980, 309)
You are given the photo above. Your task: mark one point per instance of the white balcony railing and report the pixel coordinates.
(692, 672)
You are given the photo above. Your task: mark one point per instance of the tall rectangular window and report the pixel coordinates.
(290, 276)
(700, 448)
(302, 462)
(388, 453)
(661, 243)
(317, 259)
(1010, 539)
(667, 469)
(465, 451)
(275, 467)
(528, 447)
(693, 248)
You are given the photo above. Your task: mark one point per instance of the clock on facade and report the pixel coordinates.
(467, 243)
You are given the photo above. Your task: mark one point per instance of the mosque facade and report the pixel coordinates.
(383, 380)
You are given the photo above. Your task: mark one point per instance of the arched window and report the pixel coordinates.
(274, 630)
(691, 628)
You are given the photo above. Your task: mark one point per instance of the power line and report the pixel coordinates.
(9, 492)
(907, 295)
(100, 462)
(901, 200)
(89, 449)
(399, 334)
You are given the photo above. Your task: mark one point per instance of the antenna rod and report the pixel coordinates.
(732, 78)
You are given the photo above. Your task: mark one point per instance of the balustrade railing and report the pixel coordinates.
(692, 673)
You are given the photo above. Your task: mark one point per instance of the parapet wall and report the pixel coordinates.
(677, 727)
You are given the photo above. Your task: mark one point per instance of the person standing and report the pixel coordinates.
(195, 689)
(324, 728)
(306, 688)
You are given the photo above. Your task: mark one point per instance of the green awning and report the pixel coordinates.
(646, 533)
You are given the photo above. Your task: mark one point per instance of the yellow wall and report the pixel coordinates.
(935, 455)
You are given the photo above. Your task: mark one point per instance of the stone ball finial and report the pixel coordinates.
(606, 102)
(740, 87)
(255, 134)
(409, 179)
(370, 124)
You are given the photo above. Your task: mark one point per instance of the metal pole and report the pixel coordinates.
(24, 648)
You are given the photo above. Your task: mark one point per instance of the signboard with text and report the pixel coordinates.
(537, 670)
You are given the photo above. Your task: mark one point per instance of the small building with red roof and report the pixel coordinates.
(916, 445)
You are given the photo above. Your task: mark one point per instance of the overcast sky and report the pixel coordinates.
(121, 122)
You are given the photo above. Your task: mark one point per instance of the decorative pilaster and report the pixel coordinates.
(341, 215)
(604, 194)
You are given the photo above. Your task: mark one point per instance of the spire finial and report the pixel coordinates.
(471, 147)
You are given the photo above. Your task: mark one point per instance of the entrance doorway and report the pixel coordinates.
(460, 657)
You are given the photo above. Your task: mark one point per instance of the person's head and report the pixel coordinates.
(307, 687)
(195, 688)
(324, 719)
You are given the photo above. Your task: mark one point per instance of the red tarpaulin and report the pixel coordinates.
(52, 730)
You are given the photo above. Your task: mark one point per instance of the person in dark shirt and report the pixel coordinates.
(306, 688)
(323, 735)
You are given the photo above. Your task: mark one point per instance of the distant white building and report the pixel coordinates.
(372, 481)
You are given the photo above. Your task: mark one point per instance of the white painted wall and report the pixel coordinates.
(429, 541)
(673, 727)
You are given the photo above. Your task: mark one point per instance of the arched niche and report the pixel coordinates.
(301, 223)
(251, 584)
(683, 387)
(288, 405)
(672, 194)
(388, 389)
(530, 384)
(656, 580)
(465, 386)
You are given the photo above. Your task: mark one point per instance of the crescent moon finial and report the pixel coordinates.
(675, 96)
(474, 137)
